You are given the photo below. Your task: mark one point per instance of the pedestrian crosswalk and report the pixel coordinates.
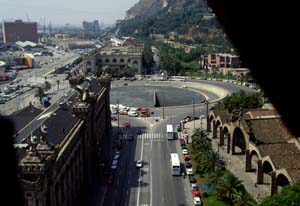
(145, 136)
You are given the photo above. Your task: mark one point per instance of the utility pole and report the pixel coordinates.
(194, 114)
(207, 118)
(163, 112)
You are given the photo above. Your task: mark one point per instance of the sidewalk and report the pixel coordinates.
(235, 164)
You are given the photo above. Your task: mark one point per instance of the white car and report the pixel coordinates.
(116, 157)
(139, 163)
(197, 201)
(114, 164)
(185, 152)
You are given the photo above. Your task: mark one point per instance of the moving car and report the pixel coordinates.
(139, 163)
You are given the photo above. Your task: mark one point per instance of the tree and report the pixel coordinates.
(47, 86)
(289, 196)
(209, 161)
(148, 56)
(216, 175)
(242, 198)
(228, 184)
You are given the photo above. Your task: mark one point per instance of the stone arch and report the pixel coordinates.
(121, 60)
(210, 118)
(114, 60)
(267, 167)
(107, 60)
(254, 157)
(217, 128)
(282, 180)
(128, 60)
(239, 141)
(224, 135)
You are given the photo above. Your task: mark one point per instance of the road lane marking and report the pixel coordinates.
(140, 174)
(150, 171)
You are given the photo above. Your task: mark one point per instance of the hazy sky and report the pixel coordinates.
(65, 11)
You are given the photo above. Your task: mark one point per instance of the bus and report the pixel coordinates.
(175, 164)
(170, 132)
(178, 78)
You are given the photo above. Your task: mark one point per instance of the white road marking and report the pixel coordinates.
(140, 174)
(150, 166)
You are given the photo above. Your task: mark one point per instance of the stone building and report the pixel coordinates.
(117, 58)
(61, 160)
(261, 136)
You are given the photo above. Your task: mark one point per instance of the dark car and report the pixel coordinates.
(192, 179)
(130, 137)
(186, 157)
(188, 165)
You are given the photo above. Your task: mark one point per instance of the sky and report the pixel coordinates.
(60, 12)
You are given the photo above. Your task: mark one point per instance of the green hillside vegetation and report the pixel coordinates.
(187, 19)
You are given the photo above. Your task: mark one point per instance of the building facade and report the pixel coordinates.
(19, 31)
(117, 58)
(270, 150)
(222, 60)
(91, 26)
(61, 161)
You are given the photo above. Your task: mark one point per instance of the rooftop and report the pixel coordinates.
(269, 130)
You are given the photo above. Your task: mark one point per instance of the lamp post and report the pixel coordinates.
(201, 117)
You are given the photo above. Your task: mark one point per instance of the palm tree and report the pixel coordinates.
(217, 174)
(210, 161)
(242, 198)
(227, 185)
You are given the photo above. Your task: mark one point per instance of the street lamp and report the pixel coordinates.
(201, 117)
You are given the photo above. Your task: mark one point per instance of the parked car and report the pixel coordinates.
(130, 137)
(186, 157)
(192, 179)
(114, 118)
(188, 165)
(197, 201)
(126, 124)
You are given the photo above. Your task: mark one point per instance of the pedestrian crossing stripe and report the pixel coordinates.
(146, 136)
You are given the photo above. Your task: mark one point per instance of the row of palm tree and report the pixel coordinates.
(228, 187)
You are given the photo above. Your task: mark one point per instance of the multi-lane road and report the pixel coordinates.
(153, 184)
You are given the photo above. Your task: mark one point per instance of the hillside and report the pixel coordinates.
(189, 19)
(145, 8)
